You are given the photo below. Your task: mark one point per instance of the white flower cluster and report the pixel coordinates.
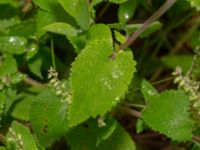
(16, 138)
(191, 87)
(58, 86)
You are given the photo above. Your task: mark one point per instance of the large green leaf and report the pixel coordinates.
(13, 44)
(98, 81)
(168, 113)
(48, 116)
(79, 9)
(119, 140)
(19, 137)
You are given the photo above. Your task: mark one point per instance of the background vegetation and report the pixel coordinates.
(81, 75)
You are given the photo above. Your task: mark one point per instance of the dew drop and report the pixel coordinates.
(126, 16)
(107, 83)
(116, 73)
(12, 39)
(151, 92)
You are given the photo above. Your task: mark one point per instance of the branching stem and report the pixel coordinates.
(150, 20)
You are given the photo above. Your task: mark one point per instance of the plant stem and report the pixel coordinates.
(150, 20)
(35, 83)
(131, 112)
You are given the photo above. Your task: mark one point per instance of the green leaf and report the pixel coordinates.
(48, 117)
(2, 102)
(2, 148)
(148, 90)
(6, 23)
(151, 28)
(119, 140)
(21, 108)
(195, 3)
(8, 66)
(126, 10)
(172, 61)
(140, 126)
(35, 64)
(98, 32)
(61, 28)
(95, 2)
(168, 113)
(13, 44)
(32, 50)
(79, 9)
(109, 79)
(5, 1)
(10, 99)
(57, 14)
(46, 4)
(19, 137)
(24, 29)
(118, 1)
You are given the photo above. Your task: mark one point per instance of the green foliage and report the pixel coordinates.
(12, 44)
(127, 10)
(48, 129)
(19, 137)
(109, 77)
(168, 113)
(195, 3)
(68, 75)
(119, 140)
(174, 60)
(79, 9)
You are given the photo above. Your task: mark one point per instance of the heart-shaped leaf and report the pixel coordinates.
(98, 81)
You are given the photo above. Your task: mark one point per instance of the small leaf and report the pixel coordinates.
(195, 3)
(19, 137)
(119, 140)
(108, 78)
(48, 117)
(118, 1)
(2, 102)
(148, 90)
(168, 113)
(98, 32)
(95, 2)
(12, 44)
(79, 9)
(61, 28)
(8, 66)
(21, 108)
(130, 28)
(140, 126)
(35, 64)
(172, 61)
(126, 10)
(24, 29)
(46, 4)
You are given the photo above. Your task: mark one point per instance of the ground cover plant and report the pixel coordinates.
(99, 75)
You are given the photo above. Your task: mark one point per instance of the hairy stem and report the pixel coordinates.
(150, 20)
